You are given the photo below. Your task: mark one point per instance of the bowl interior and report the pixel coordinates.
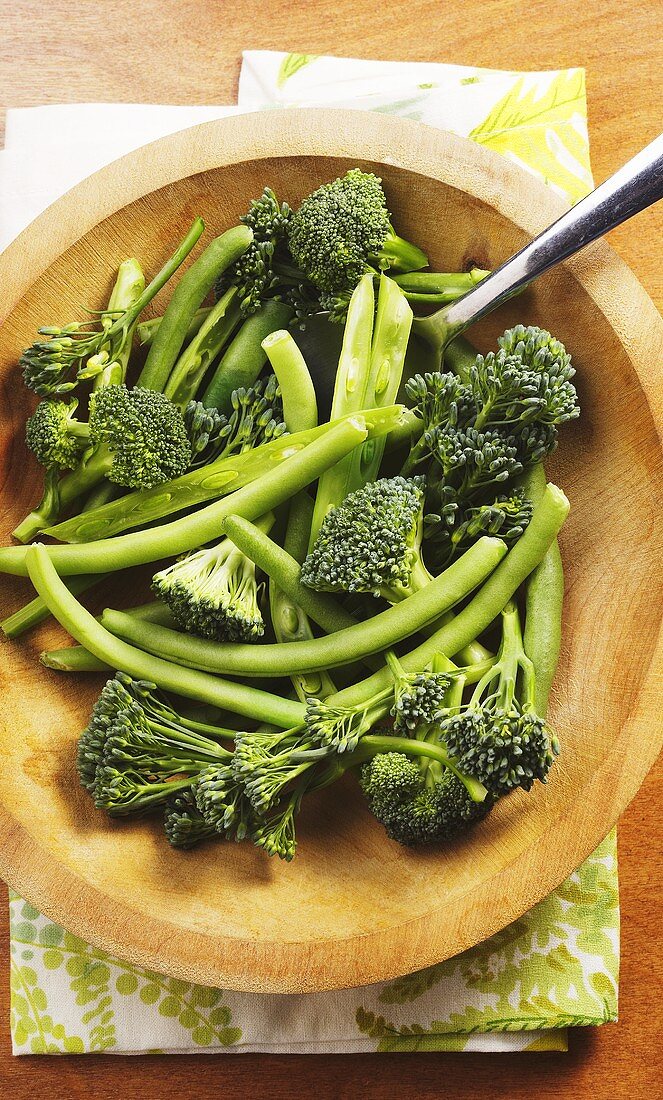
(313, 923)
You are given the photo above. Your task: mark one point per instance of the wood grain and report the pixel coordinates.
(188, 52)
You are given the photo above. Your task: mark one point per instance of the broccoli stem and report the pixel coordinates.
(372, 744)
(329, 651)
(300, 406)
(187, 297)
(397, 254)
(244, 359)
(36, 611)
(391, 333)
(212, 336)
(220, 478)
(254, 500)
(349, 390)
(437, 288)
(147, 330)
(73, 658)
(478, 614)
(238, 698)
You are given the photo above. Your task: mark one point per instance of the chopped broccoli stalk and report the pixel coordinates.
(137, 751)
(344, 229)
(371, 542)
(213, 592)
(499, 737)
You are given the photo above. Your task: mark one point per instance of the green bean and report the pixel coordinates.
(300, 406)
(352, 644)
(187, 297)
(77, 659)
(276, 562)
(224, 476)
(244, 358)
(147, 330)
(253, 501)
(199, 354)
(241, 699)
(36, 611)
(544, 599)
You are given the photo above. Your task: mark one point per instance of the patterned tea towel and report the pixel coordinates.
(555, 967)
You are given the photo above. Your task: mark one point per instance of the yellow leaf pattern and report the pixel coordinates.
(541, 130)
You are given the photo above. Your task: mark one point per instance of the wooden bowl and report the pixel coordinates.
(352, 908)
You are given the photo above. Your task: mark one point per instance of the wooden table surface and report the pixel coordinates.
(188, 51)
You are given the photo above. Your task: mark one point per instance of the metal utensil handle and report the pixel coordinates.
(633, 188)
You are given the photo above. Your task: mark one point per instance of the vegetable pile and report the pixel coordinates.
(375, 592)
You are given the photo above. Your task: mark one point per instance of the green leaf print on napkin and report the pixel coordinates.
(291, 64)
(98, 983)
(538, 129)
(557, 966)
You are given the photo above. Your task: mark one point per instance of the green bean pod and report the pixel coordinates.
(242, 699)
(187, 297)
(330, 651)
(245, 357)
(189, 532)
(544, 599)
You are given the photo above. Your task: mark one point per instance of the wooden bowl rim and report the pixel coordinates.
(115, 926)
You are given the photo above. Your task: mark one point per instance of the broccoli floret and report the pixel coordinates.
(256, 418)
(143, 434)
(137, 752)
(509, 391)
(91, 349)
(183, 822)
(372, 542)
(537, 349)
(54, 436)
(344, 229)
(254, 274)
(499, 738)
(223, 803)
(213, 593)
(480, 434)
(425, 800)
(412, 812)
(419, 697)
(449, 528)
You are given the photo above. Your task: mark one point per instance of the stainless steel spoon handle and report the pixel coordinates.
(633, 188)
